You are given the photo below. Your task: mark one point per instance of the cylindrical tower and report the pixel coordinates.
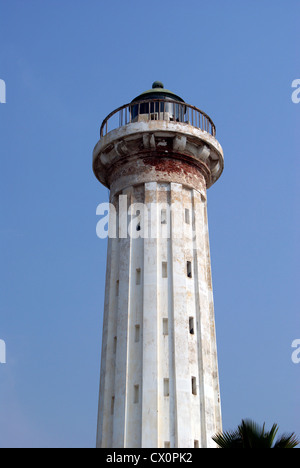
(159, 384)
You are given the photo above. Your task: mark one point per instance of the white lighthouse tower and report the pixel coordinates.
(159, 374)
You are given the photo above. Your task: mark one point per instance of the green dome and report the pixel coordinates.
(158, 92)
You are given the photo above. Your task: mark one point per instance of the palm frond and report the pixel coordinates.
(251, 435)
(287, 441)
(270, 436)
(229, 439)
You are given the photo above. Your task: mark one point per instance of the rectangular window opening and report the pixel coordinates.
(166, 388)
(189, 269)
(191, 325)
(196, 443)
(137, 333)
(117, 287)
(187, 216)
(138, 276)
(165, 326)
(112, 407)
(167, 444)
(163, 216)
(115, 344)
(164, 269)
(194, 386)
(136, 394)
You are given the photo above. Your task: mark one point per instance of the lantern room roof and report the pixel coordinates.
(158, 92)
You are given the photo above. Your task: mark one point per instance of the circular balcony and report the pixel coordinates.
(158, 109)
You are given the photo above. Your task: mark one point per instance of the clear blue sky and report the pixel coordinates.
(66, 65)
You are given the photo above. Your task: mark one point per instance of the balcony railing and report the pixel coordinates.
(157, 109)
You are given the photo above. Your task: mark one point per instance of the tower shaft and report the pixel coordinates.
(159, 384)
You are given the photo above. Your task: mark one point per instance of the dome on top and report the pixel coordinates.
(157, 92)
(157, 84)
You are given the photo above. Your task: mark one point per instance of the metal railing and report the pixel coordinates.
(157, 109)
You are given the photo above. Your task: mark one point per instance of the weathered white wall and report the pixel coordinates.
(147, 417)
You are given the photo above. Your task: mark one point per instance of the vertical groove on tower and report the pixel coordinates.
(156, 215)
(191, 254)
(215, 373)
(182, 383)
(135, 322)
(150, 329)
(173, 436)
(108, 362)
(121, 370)
(199, 273)
(206, 349)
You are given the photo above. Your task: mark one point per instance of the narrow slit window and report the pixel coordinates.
(164, 269)
(115, 344)
(163, 216)
(137, 333)
(117, 287)
(194, 386)
(136, 394)
(192, 325)
(196, 443)
(138, 276)
(187, 216)
(166, 388)
(112, 407)
(189, 269)
(165, 326)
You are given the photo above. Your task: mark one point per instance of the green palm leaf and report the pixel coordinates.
(251, 435)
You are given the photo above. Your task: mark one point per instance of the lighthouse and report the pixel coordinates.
(159, 381)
